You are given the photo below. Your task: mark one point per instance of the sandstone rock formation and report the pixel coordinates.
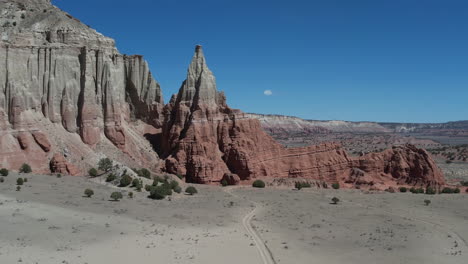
(58, 164)
(205, 140)
(72, 76)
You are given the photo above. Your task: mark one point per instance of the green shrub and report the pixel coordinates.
(18, 188)
(25, 179)
(111, 177)
(93, 172)
(19, 181)
(88, 193)
(116, 196)
(125, 181)
(427, 202)
(412, 190)
(224, 183)
(25, 168)
(167, 188)
(4, 172)
(403, 189)
(335, 200)
(148, 187)
(300, 185)
(430, 190)
(191, 190)
(336, 186)
(59, 175)
(447, 190)
(145, 173)
(173, 184)
(135, 182)
(2, 179)
(258, 184)
(178, 189)
(180, 176)
(105, 164)
(158, 192)
(456, 190)
(130, 195)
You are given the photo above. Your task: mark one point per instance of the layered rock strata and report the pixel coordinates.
(55, 65)
(204, 139)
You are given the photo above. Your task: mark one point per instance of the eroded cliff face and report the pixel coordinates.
(74, 77)
(206, 140)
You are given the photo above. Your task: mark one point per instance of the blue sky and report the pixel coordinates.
(375, 60)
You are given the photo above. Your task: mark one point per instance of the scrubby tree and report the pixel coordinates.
(336, 186)
(427, 202)
(191, 190)
(105, 164)
(19, 181)
(403, 189)
(335, 200)
(111, 177)
(130, 195)
(92, 172)
(145, 173)
(125, 180)
(25, 168)
(173, 184)
(2, 179)
(157, 192)
(135, 183)
(116, 196)
(4, 172)
(18, 188)
(258, 184)
(88, 193)
(178, 189)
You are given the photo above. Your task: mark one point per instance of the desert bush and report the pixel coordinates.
(116, 196)
(325, 185)
(224, 183)
(390, 190)
(2, 179)
(178, 189)
(173, 184)
(19, 181)
(166, 186)
(258, 184)
(412, 190)
(335, 200)
(59, 175)
(191, 190)
(148, 187)
(25, 179)
(336, 186)
(456, 190)
(427, 202)
(92, 172)
(430, 190)
(105, 164)
(130, 195)
(144, 173)
(18, 188)
(111, 177)
(300, 185)
(125, 181)
(180, 176)
(403, 189)
(4, 172)
(135, 182)
(157, 192)
(88, 193)
(448, 190)
(25, 168)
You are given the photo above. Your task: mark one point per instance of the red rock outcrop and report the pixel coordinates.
(58, 164)
(204, 139)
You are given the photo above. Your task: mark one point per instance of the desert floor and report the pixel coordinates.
(49, 221)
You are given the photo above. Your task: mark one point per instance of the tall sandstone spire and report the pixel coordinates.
(206, 140)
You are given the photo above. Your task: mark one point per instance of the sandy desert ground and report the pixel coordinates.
(49, 221)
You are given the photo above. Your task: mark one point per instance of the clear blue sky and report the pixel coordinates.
(376, 60)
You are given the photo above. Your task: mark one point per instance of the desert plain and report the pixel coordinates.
(51, 221)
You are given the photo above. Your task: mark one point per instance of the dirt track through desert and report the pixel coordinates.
(265, 253)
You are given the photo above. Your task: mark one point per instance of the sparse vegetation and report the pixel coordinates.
(145, 173)
(19, 181)
(4, 172)
(427, 202)
(125, 181)
(92, 172)
(116, 196)
(135, 183)
(178, 189)
(173, 184)
(2, 179)
(88, 193)
(18, 188)
(336, 186)
(430, 191)
(130, 195)
(111, 177)
(450, 190)
(258, 184)
(25, 168)
(105, 164)
(300, 185)
(224, 183)
(191, 190)
(335, 200)
(403, 189)
(180, 176)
